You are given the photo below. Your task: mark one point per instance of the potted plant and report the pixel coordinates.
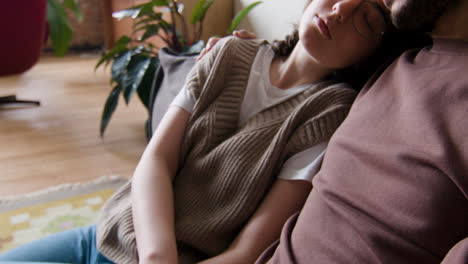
(134, 59)
(60, 30)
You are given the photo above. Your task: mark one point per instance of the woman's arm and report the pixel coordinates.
(152, 197)
(284, 199)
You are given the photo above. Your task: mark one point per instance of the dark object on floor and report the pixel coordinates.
(23, 30)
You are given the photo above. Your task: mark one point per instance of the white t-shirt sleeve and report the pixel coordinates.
(184, 99)
(305, 164)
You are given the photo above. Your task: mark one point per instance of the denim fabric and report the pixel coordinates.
(76, 246)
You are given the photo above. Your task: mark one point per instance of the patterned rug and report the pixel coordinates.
(32, 216)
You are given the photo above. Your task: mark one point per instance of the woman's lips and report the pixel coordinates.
(323, 28)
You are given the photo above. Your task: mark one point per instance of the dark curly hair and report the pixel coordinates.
(283, 48)
(394, 42)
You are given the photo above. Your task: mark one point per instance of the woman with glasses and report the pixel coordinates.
(234, 155)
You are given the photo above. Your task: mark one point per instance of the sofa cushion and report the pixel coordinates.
(169, 80)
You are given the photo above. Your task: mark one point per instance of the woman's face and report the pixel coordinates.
(340, 33)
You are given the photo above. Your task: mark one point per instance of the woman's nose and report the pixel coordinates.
(343, 9)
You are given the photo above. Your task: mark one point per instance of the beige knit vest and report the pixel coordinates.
(226, 170)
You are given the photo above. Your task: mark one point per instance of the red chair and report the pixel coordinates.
(22, 36)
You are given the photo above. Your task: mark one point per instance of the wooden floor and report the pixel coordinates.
(59, 141)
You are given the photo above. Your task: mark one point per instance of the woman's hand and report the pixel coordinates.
(243, 34)
(285, 198)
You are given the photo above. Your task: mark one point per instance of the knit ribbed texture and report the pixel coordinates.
(227, 170)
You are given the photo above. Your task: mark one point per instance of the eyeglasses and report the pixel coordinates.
(369, 20)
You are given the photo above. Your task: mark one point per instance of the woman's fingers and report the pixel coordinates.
(209, 44)
(244, 34)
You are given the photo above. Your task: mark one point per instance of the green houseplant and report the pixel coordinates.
(60, 30)
(134, 59)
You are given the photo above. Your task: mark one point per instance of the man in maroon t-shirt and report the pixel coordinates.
(393, 187)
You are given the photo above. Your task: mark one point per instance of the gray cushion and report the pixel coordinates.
(173, 70)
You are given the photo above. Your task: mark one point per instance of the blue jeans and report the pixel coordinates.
(73, 246)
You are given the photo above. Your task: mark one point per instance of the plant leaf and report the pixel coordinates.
(199, 11)
(152, 18)
(134, 76)
(160, 2)
(147, 27)
(123, 41)
(120, 47)
(165, 25)
(146, 10)
(75, 7)
(238, 18)
(129, 12)
(144, 89)
(139, 11)
(119, 66)
(151, 30)
(60, 29)
(106, 57)
(109, 108)
(133, 11)
(109, 56)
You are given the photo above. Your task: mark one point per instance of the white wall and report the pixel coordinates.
(273, 19)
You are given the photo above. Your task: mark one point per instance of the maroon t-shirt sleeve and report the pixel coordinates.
(275, 254)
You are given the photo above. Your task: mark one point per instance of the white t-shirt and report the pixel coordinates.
(261, 94)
